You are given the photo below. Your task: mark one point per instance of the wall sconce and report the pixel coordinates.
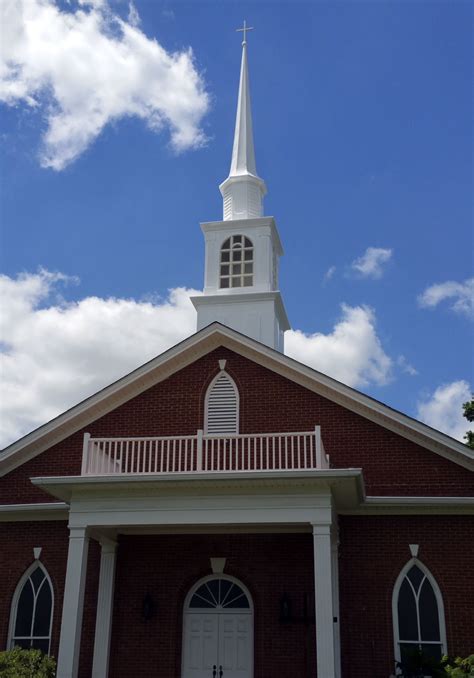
(148, 607)
(285, 609)
(286, 612)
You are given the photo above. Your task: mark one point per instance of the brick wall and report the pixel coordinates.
(268, 403)
(372, 552)
(17, 540)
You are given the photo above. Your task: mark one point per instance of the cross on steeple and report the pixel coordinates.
(244, 31)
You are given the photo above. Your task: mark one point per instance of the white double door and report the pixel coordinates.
(218, 645)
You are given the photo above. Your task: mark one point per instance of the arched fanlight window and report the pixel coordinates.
(222, 406)
(219, 593)
(418, 613)
(32, 610)
(236, 264)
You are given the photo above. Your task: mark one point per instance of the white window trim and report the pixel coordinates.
(206, 403)
(439, 600)
(16, 596)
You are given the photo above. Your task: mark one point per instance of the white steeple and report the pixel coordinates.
(243, 190)
(243, 251)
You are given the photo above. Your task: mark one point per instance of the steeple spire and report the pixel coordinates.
(243, 153)
(243, 190)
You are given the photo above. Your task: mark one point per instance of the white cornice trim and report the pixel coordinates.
(40, 511)
(244, 298)
(194, 347)
(414, 506)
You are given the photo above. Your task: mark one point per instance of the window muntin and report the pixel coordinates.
(32, 611)
(418, 615)
(219, 594)
(236, 262)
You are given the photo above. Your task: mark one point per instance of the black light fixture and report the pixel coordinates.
(148, 607)
(287, 615)
(285, 609)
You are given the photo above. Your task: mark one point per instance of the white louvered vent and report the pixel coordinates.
(222, 415)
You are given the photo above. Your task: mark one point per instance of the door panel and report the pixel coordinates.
(200, 645)
(218, 639)
(235, 645)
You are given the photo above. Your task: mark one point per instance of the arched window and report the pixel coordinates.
(219, 593)
(32, 610)
(222, 406)
(236, 264)
(418, 613)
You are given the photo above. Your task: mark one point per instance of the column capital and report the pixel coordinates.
(78, 532)
(321, 529)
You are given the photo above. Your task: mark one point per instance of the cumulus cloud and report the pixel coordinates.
(371, 263)
(85, 67)
(351, 353)
(460, 296)
(442, 409)
(54, 352)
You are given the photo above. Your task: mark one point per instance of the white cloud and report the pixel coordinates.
(405, 366)
(351, 353)
(370, 264)
(329, 274)
(443, 408)
(461, 296)
(55, 353)
(88, 67)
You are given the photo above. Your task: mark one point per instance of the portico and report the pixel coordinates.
(272, 502)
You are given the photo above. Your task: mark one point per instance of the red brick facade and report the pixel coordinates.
(372, 552)
(372, 549)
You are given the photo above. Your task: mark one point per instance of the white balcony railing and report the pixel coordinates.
(201, 453)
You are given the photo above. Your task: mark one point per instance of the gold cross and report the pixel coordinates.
(244, 31)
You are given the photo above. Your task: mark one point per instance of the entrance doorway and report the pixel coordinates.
(218, 630)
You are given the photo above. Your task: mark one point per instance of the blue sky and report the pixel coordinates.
(363, 132)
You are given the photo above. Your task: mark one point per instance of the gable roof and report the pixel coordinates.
(194, 347)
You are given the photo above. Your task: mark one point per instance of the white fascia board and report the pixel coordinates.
(235, 224)
(414, 506)
(194, 347)
(343, 487)
(40, 511)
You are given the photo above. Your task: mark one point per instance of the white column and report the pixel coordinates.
(335, 602)
(105, 600)
(323, 591)
(71, 624)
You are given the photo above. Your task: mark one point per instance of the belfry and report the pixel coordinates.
(242, 252)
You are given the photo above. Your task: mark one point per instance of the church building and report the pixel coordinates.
(225, 511)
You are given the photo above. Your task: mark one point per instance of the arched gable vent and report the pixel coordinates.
(222, 406)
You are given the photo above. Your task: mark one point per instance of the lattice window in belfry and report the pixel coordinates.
(236, 262)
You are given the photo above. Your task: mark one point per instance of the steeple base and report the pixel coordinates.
(259, 315)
